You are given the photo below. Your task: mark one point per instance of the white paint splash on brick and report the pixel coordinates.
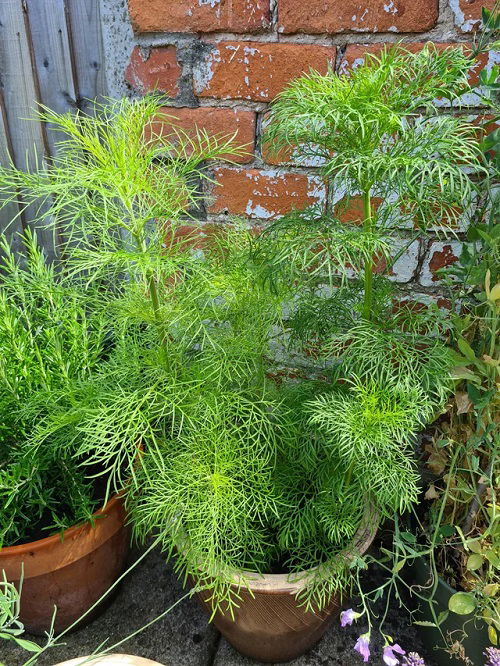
(212, 3)
(465, 26)
(404, 268)
(453, 247)
(390, 7)
(203, 73)
(258, 211)
(316, 188)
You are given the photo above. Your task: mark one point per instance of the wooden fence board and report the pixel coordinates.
(10, 222)
(88, 51)
(20, 98)
(51, 51)
(53, 59)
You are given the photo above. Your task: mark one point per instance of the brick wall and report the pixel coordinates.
(221, 62)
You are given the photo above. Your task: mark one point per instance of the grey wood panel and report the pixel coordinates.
(20, 96)
(53, 59)
(10, 221)
(88, 51)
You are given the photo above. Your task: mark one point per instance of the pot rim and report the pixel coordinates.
(295, 582)
(39, 544)
(111, 659)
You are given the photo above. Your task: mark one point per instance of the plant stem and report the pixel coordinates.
(493, 339)
(476, 502)
(367, 226)
(153, 293)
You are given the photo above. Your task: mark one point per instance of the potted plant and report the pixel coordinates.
(462, 513)
(375, 143)
(55, 331)
(259, 487)
(457, 541)
(53, 526)
(459, 588)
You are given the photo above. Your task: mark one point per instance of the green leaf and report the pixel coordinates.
(425, 623)
(462, 603)
(447, 530)
(466, 349)
(491, 589)
(460, 372)
(474, 561)
(398, 566)
(474, 545)
(409, 537)
(495, 293)
(443, 615)
(492, 635)
(493, 558)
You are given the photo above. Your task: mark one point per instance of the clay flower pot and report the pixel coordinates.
(111, 660)
(70, 571)
(269, 624)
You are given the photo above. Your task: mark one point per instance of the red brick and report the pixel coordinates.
(263, 194)
(354, 55)
(215, 121)
(256, 71)
(351, 212)
(158, 71)
(439, 255)
(330, 16)
(468, 13)
(199, 15)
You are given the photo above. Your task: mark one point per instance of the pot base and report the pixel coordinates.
(272, 628)
(69, 571)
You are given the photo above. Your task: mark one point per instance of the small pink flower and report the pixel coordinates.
(348, 616)
(389, 657)
(363, 646)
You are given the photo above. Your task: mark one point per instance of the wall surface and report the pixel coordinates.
(221, 62)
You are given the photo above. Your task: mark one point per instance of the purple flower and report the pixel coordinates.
(362, 646)
(348, 616)
(389, 657)
(493, 655)
(413, 659)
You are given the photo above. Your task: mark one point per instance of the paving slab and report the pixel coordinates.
(181, 638)
(184, 637)
(336, 647)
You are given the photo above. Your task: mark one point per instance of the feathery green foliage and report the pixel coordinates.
(377, 133)
(232, 470)
(47, 339)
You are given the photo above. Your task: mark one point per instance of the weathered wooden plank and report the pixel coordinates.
(20, 100)
(88, 51)
(53, 59)
(10, 222)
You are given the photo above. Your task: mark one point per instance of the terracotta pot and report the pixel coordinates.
(70, 571)
(111, 660)
(269, 625)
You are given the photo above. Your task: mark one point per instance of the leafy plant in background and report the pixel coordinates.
(462, 525)
(48, 337)
(463, 516)
(11, 628)
(378, 135)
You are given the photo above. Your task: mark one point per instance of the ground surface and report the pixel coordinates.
(183, 637)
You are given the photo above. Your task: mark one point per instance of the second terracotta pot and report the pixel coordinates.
(70, 571)
(269, 624)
